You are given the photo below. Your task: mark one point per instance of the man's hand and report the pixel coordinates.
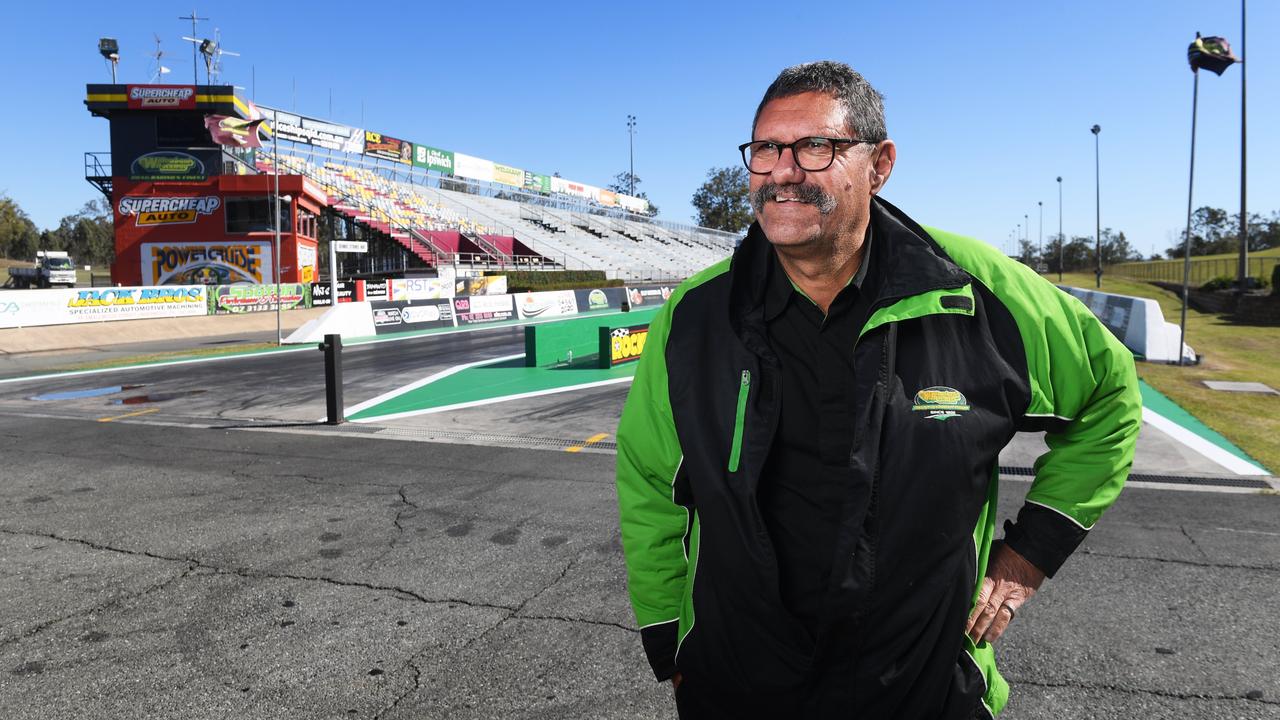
(1011, 581)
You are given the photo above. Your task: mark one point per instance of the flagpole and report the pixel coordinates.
(275, 213)
(1186, 239)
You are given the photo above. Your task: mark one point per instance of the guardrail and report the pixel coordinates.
(1202, 269)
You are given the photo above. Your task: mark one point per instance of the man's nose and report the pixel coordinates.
(787, 171)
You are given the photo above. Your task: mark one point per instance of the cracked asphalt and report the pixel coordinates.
(162, 572)
(223, 558)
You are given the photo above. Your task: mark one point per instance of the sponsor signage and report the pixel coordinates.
(419, 289)
(318, 133)
(168, 165)
(425, 156)
(307, 259)
(649, 294)
(26, 308)
(320, 293)
(385, 146)
(393, 317)
(508, 175)
(371, 290)
(546, 304)
(600, 299)
(483, 285)
(472, 167)
(213, 263)
(256, 298)
(537, 183)
(483, 309)
(625, 343)
(161, 97)
(351, 246)
(151, 211)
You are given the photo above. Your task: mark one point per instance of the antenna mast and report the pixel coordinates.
(195, 66)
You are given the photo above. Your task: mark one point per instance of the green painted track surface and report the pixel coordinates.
(1153, 400)
(487, 382)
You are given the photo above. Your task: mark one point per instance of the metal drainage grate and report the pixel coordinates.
(1172, 479)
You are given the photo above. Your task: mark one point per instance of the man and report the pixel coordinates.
(807, 461)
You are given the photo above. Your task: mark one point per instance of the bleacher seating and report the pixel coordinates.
(444, 226)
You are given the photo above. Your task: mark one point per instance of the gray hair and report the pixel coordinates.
(863, 105)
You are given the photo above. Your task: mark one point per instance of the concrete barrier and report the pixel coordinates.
(350, 320)
(1138, 323)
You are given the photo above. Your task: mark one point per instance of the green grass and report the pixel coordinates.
(1228, 352)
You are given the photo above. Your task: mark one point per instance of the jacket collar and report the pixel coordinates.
(909, 263)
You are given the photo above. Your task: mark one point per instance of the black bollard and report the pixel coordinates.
(332, 349)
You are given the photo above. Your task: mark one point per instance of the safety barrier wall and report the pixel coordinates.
(1137, 322)
(576, 339)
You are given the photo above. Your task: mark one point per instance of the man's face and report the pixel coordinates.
(856, 173)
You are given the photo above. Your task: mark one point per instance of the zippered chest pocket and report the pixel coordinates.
(739, 419)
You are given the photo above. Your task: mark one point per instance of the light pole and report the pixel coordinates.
(631, 144)
(1097, 203)
(1026, 229)
(1244, 216)
(1040, 239)
(1061, 240)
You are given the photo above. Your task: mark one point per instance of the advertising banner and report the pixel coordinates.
(371, 290)
(419, 289)
(483, 309)
(608, 198)
(161, 97)
(225, 299)
(154, 210)
(385, 146)
(26, 308)
(635, 205)
(425, 156)
(600, 299)
(311, 131)
(167, 165)
(546, 304)
(508, 175)
(234, 131)
(308, 270)
(472, 167)
(484, 285)
(320, 293)
(206, 263)
(625, 344)
(537, 183)
(648, 295)
(393, 317)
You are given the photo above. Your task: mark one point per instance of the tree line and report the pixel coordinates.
(87, 235)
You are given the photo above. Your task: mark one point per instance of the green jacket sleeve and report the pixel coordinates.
(653, 524)
(1084, 395)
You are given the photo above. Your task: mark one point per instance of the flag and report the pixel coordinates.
(233, 131)
(1211, 53)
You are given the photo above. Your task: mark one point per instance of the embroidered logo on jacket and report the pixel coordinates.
(940, 402)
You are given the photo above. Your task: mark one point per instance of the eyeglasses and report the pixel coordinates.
(812, 154)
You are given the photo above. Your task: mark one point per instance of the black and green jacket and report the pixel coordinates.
(962, 348)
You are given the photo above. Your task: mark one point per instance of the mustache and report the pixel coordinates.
(805, 192)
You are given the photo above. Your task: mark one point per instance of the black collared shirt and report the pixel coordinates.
(807, 473)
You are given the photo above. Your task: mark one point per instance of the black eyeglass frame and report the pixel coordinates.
(783, 146)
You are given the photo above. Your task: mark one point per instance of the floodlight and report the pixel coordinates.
(109, 48)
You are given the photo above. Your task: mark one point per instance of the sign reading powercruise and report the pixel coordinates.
(168, 210)
(161, 97)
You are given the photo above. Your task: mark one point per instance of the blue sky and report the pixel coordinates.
(988, 101)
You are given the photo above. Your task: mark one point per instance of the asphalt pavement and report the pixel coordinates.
(223, 555)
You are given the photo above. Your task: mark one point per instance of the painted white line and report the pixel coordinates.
(1200, 445)
(145, 366)
(425, 381)
(480, 327)
(491, 401)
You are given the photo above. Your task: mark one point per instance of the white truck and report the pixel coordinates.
(52, 267)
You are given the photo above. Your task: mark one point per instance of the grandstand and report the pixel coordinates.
(467, 224)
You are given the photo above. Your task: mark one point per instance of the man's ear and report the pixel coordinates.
(882, 165)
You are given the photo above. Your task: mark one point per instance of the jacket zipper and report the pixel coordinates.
(739, 419)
